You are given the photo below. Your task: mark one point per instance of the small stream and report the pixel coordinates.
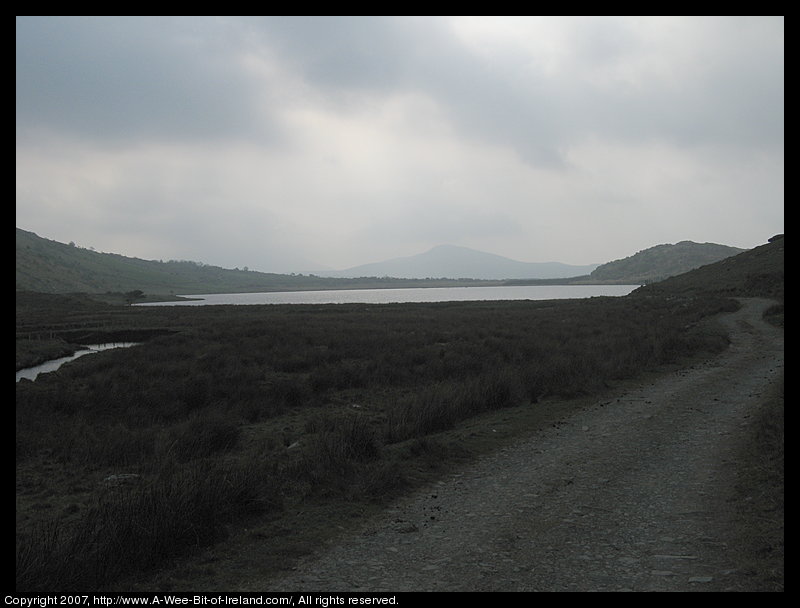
(30, 373)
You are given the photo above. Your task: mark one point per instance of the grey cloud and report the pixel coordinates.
(728, 94)
(177, 77)
(376, 53)
(714, 85)
(130, 77)
(726, 87)
(422, 54)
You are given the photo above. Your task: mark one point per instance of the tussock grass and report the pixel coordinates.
(250, 408)
(130, 528)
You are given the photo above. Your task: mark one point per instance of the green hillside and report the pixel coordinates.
(48, 266)
(757, 272)
(662, 261)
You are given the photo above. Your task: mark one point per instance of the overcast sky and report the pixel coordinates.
(304, 143)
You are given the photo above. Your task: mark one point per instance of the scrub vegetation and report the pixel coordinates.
(131, 457)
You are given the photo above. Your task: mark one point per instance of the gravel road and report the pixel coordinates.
(632, 493)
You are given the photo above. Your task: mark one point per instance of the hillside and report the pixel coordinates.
(47, 266)
(757, 272)
(52, 267)
(461, 262)
(662, 261)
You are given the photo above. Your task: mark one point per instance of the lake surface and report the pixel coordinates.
(393, 296)
(30, 373)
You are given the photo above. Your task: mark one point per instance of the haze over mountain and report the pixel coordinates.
(456, 262)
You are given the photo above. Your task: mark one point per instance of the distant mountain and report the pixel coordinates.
(662, 261)
(757, 272)
(450, 261)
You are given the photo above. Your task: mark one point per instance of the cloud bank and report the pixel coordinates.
(301, 143)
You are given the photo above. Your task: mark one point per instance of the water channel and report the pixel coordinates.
(30, 373)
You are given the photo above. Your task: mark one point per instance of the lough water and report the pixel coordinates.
(392, 296)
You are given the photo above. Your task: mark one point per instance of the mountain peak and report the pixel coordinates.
(458, 262)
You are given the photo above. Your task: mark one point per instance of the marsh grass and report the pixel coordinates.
(247, 409)
(133, 527)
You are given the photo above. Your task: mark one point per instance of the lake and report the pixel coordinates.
(393, 296)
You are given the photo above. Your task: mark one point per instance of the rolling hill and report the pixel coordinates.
(662, 261)
(757, 272)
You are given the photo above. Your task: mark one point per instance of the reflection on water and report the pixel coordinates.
(30, 373)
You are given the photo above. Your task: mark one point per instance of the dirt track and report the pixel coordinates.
(633, 493)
